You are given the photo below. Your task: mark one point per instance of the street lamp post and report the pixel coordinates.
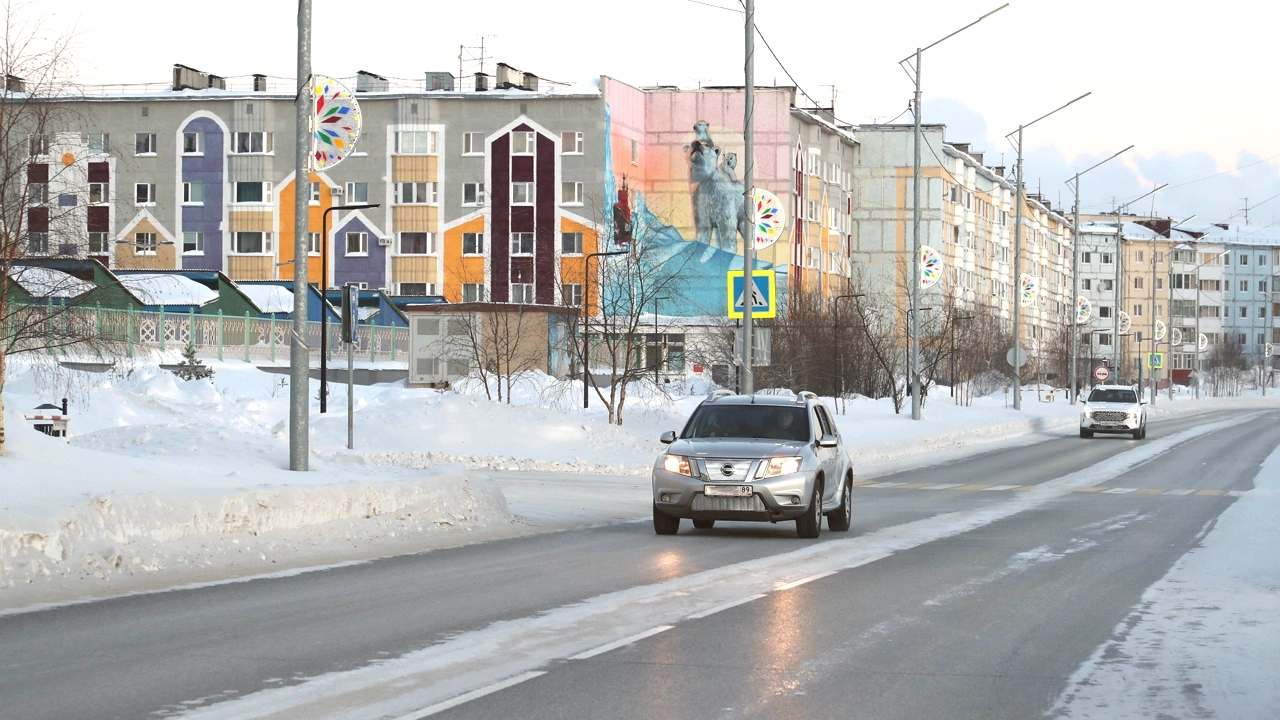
(1017, 253)
(586, 315)
(324, 307)
(914, 355)
(299, 353)
(1075, 275)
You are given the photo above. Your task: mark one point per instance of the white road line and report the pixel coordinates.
(468, 697)
(885, 484)
(1178, 492)
(1000, 487)
(943, 486)
(619, 643)
(1120, 491)
(726, 606)
(1236, 493)
(801, 581)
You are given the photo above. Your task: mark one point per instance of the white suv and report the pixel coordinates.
(1114, 409)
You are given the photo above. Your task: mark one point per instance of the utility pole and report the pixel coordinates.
(299, 352)
(1118, 289)
(748, 202)
(1155, 342)
(1017, 279)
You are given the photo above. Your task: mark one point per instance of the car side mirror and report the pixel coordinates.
(668, 437)
(828, 441)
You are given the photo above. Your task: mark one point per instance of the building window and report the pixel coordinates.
(417, 289)
(1106, 258)
(1244, 284)
(1104, 338)
(99, 143)
(1244, 258)
(522, 243)
(1137, 283)
(473, 143)
(472, 292)
(98, 193)
(357, 192)
(1210, 311)
(144, 194)
(571, 143)
(1262, 260)
(37, 243)
(1137, 257)
(99, 243)
(522, 142)
(38, 193)
(1104, 311)
(144, 144)
(252, 143)
(1086, 258)
(1108, 285)
(1137, 311)
(635, 152)
(1244, 311)
(315, 194)
(472, 243)
(37, 145)
(571, 193)
(192, 143)
(423, 193)
(144, 243)
(192, 193)
(417, 243)
(253, 192)
(251, 243)
(522, 193)
(416, 142)
(192, 243)
(571, 294)
(522, 293)
(1211, 286)
(473, 194)
(1086, 284)
(571, 243)
(357, 243)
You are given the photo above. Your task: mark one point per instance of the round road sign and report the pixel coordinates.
(1102, 373)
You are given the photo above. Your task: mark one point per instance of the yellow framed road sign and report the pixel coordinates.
(764, 298)
(1155, 360)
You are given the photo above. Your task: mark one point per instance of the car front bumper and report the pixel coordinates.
(785, 497)
(1127, 425)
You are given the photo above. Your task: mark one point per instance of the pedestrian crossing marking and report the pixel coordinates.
(1149, 491)
(943, 486)
(1178, 492)
(1120, 491)
(1090, 489)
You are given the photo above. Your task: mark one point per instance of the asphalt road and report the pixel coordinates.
(986, 623)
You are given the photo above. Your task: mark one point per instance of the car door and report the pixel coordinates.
(828, 457)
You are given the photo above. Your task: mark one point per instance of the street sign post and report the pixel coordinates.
(1155, 360)
(1016, 357)
(1101, 373)
(350, 326)
(764, 295)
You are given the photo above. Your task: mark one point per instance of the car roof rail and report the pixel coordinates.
(804, 395)
(717, 394)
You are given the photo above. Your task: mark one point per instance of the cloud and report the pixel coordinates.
(1197, 184)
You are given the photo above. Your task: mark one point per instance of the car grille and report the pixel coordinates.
(728, 504)
(1110, 416)
(713, 468)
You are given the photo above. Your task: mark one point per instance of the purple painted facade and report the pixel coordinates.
(205, 169)
(539, 218)
(370, 269)
(500, 230)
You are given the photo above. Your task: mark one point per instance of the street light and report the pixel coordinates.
(324, 307)
(1075, 274)
(914, 360)
(835, 336)
(586, 315)
(1017, 253)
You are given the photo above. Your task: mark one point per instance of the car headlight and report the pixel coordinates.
(779, 466)
(1086, 413)
(677, 464)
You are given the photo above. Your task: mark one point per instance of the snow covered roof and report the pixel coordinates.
(1267, 235)
(43, 282)
(167, 289)
(364, 313)
(1133, 231)
(269, 298)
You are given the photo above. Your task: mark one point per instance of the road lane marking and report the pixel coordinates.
(974, 487)
(1120, 491)
(995, 488)
(1089, 489)
(942, 486)
(801, 581)
(1236, 493)
(887, 484)
(620, 643)
(1209, 493)
(1149, 491)
(1178, 492)
(726, 606)
(473, 695)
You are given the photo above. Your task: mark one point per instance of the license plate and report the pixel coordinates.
(727, 490)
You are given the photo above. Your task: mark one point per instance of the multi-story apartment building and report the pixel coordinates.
(497, 194)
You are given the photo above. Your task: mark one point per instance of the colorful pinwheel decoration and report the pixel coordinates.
(1161, 330)
(1030, 290)
(1084, 310)
(770, 218)
(336, 123)
(1204, 342)
(1125, 322)
(930, 267)
(1177, 337)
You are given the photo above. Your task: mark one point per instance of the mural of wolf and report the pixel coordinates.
(718, 207)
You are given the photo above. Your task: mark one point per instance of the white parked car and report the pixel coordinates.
(1115, 409)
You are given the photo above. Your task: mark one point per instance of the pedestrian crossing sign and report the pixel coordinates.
(764, 295)
(1155, 360)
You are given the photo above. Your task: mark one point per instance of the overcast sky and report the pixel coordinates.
(1191, 84)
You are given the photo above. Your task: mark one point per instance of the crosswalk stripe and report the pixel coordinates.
(887, 484)
(1149, 491)
(1236, 493)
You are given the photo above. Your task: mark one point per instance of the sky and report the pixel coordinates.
(1190, 84)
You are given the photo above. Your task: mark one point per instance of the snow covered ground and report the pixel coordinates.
(1206, 637)
(167, 482)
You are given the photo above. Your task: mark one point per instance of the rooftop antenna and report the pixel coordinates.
(466, 52)
(1246, 211)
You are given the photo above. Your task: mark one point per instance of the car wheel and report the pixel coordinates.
(1139, 433)
(704, 524)
(1142, 432)
(1086, 433)
(665, 524)
(809, 525)
(842, 518)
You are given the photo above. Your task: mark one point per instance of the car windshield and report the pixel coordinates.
(1105, 395)
(764, 422)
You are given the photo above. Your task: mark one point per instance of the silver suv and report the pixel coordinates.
(754, 457)
(1114, 409)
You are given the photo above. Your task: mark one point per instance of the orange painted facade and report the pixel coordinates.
(285, 242)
